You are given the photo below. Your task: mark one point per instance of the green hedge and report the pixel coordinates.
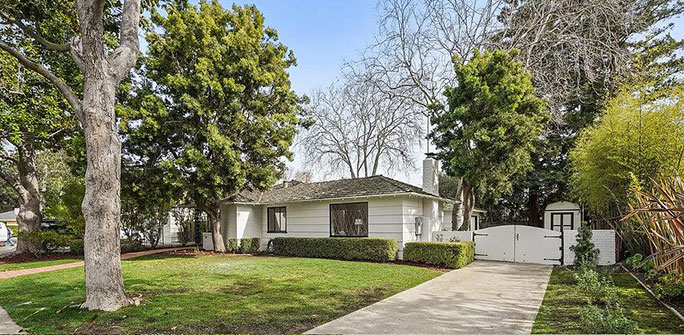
(447, 254)
(347, 248)
(249, 245)
(232, 245)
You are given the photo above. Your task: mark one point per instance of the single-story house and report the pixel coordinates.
(375, 206)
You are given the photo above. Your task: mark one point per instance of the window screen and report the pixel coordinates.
(349, 219)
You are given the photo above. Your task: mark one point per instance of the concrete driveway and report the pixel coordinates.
(484, 297)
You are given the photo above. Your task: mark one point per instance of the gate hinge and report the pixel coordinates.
(551, 236)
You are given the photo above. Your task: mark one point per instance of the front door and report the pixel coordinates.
(562, 221)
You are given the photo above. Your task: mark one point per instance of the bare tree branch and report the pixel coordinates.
(125, 56)
(33, 34)
(71, 98)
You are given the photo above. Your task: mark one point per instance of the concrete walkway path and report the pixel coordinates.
(482, 298)
(8, 326)
(23, 272)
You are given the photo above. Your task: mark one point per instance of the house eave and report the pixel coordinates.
(410, 194)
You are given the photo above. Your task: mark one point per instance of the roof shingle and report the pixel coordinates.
(294, 191)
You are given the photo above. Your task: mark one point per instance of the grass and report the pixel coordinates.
(37, 264)
(560, 310)
(210, 294)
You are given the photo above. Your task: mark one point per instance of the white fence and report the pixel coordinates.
(528, 245)
(604, 240)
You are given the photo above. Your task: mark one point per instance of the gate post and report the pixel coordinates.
(562, 247)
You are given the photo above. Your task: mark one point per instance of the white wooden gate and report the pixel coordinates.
(514, 243)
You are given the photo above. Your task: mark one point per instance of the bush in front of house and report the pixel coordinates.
(76, 247)
(232, 245)
(447, 254)
(345, 248)
(132, 246)
(249, 245)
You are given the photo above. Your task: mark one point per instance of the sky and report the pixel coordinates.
(322, 34)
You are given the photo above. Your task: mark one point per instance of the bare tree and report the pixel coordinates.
(102, 72)
(360, 129)
(567, 47)
(415, 48)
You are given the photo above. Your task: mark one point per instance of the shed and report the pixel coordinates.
(562, 215)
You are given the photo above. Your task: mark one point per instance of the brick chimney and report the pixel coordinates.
(431, 174)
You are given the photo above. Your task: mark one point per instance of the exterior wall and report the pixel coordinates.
(169, 232)
(388, 217)
(603, 239)
(312, 218)
(248, 221)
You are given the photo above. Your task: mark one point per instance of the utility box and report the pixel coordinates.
(207, 241)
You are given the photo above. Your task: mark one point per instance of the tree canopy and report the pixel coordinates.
(493, 123)
(215, 113)
(639, 135)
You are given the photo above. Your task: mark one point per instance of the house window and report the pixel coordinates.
(349, 220)
(277, 219)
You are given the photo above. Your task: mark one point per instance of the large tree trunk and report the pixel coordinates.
(214, 217)
(468, 204)
(101, 205)
(457, 212)
(533, 207)
(29, 217)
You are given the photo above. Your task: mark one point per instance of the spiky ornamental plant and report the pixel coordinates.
(586, 254)
(660, 213)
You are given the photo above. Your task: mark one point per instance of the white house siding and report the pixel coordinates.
(388, 217)
(312, 218)
(240, 221)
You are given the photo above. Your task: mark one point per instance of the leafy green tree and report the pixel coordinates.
(217, 114)
(578, 60)
(85, 35)
(639, 136)
(493, 124)
(33, 118)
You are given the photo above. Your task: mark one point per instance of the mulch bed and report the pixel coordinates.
(29, 257)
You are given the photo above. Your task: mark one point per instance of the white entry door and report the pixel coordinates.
(537, 245)
(495, 243)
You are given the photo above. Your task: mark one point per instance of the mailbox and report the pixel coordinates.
(419, 225)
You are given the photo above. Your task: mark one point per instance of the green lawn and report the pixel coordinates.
(36, 264)
(563, 301)
(210, 294)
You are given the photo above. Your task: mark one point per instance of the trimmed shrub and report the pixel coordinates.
(249, 245)
(46, 240)
(345, 248)
(447, 254)
(76, 247)
(132, 246)
(232, 245)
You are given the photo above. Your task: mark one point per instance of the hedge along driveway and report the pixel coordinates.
(483, 297)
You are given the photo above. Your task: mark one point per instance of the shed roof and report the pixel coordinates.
(295, 191)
